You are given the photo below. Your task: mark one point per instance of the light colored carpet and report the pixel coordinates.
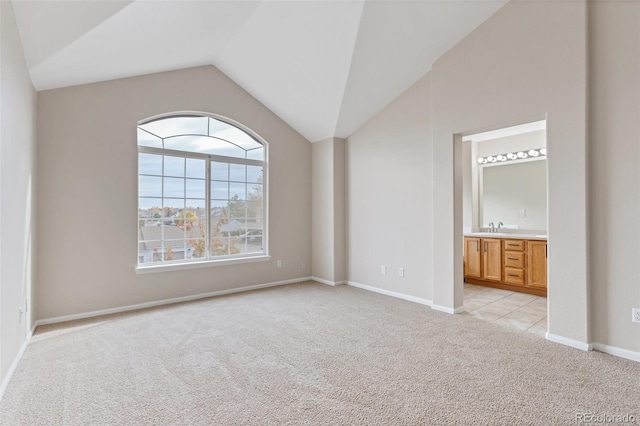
(308, 354)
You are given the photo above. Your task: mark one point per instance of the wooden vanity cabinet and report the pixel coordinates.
(483, 258)
(514, 262)
(537, 270)
(492, 259)
(472, 256)
(510, 264)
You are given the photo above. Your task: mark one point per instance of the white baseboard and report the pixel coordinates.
(616, 351)
(91, 314)
(391, 293)
(448, 310)
(568, 342)
(327, 282)
(12, 369)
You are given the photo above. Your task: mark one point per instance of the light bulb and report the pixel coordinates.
(533, 153)
(522, 154)
(543, 151)
(480, 160)
(511, 156)
(501, 158)
(491, 159)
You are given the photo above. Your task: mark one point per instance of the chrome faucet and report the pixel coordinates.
(492, 227)
(500, 224)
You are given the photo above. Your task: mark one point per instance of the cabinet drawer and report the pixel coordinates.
(514, 259)
(514, 276)
(514, 245)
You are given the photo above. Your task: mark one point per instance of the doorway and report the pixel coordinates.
(505, 225)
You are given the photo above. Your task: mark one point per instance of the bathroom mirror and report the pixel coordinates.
(514, 193)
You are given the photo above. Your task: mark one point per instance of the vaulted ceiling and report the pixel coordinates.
(324, 67)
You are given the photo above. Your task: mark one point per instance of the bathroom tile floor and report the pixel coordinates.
(516, 310)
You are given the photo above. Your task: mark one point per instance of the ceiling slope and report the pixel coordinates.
(325, 67)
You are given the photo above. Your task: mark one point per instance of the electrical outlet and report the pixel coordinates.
(401, 272)
(383, 270)
(279, 264)
(522, 213)
(304, 265)
(636, 315)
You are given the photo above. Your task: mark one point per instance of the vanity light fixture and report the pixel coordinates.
(520, 155)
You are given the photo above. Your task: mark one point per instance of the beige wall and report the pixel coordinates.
(328, 211)
(524, 63)
(508, 72)
(322, 210)
(614, 171)
(87, 188)
(17, 141)
(522, 142)
(389, 196)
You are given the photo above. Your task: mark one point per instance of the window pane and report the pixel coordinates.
(237, 208)
(220, 190)
(254, 209)
(149, 164)
(197, 206)
(196, 168)
(174, 249)
(238, 190)
(218, 205)
(171, 208)
(238, 172)
(254, 174)
(219, 171)
(195, 188)
(197, 247)
(147, 139)
(149, 212)
(173, 187)
(255, 192)
(231, 133)
(170, 126)
(173, 166)
(250, 242)
(149, 186)
(186, 220)
(256, 154)
(219, 246)
(204, 145)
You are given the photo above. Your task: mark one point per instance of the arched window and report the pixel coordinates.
(201, 190)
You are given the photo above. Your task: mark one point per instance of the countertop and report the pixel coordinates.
(508, 235)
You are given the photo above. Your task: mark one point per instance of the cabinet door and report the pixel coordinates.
(537, 264)
(472, 257)
(492, 259)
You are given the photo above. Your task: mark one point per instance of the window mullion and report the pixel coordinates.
(162, 215)
(207, 205)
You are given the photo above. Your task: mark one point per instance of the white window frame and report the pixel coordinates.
(208, 261)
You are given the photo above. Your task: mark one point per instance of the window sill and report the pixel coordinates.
(200, 264)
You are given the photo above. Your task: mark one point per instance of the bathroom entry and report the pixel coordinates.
(505, 226)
